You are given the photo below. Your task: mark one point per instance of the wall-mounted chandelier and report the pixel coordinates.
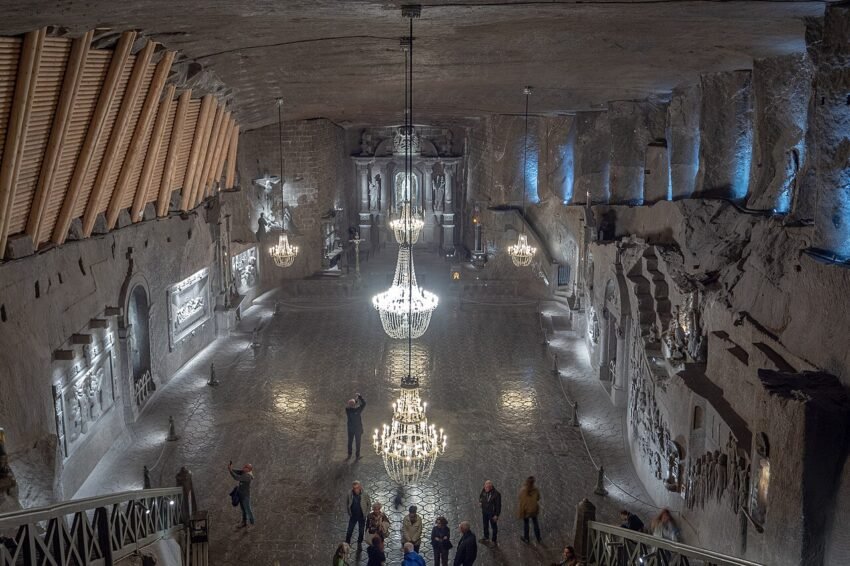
(522, 253)
(284, 253)
(405, 308)
(406, 224)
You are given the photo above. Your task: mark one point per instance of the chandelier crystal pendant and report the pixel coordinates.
(522, 253)
(407, 226)
(405, 308)
(283, 253)
(409, 446)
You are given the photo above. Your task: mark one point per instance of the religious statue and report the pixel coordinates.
(262, 227)
(373, 194)
(366, 143)
(446, 147)
(673, 341)
(286, 218)
(438, 193)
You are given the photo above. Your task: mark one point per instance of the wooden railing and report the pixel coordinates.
(614, 546)
(97, 531)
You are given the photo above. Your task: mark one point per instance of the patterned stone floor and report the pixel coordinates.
(488, 383)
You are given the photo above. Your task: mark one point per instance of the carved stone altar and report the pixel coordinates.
(432, 187)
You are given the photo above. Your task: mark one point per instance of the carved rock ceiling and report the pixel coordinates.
(340, 59)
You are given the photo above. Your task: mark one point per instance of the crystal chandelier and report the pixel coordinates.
(407, 222)
(283, 253)
(409, 446)
(521, 253)
(405, 308)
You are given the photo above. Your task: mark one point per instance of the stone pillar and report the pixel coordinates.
(781, 92)
(683, 140)
(619, 382)
(585, 513)
(830, 156)
(365, 217)
(634, 125)
(592, 157)
(427, 188)
(448, 217)
(726, 135)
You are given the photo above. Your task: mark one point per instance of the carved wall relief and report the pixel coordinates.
(188, 305)
(683, 339)
(716, 475)
(245, 269)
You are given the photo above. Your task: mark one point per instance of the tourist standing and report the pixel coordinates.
(353, 410)
(491, 507)
(467, 548)
(357, 504)
(529, 507)
(630, 521)
(377, 524)
(341, 555)
(441, 542)
(244, 476)
(663, 526)
(411, 557)
(411, 529)
(375, 552)
(569, 557)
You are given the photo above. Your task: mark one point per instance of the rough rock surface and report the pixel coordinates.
(592, 157)
(634, 124)
(683, 114)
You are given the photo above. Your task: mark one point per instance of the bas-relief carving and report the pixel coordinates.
(593, 327)
(717, 475)
(244, 267)
(188, 305)
(683, 339)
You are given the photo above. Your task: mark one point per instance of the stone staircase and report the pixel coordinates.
(651, 290)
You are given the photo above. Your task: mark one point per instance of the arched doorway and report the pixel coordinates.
(138, 343)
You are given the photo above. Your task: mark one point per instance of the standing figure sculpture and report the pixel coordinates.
(439, 193)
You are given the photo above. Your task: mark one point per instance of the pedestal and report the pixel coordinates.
(447, 239)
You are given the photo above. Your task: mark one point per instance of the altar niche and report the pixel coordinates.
(432, 191)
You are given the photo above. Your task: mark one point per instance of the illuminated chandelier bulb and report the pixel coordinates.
(407, 222)
(521, 253)
(405, 308)
(284, 253)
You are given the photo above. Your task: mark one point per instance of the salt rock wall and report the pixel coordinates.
(318, 180)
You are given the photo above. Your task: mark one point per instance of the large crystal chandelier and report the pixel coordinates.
(407, 223)
(409, 446)
(283, 253)
(405, 308)
(521, 253)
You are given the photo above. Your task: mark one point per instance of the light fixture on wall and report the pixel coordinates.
(284, 253)
(522, 253)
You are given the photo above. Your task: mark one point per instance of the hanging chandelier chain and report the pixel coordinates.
(409, 174)
(280, 147)
(527, 92)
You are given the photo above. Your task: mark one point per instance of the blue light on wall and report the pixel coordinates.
(568, 167)
(743, 161)
(531, 171)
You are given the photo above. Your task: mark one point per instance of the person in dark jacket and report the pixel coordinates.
(441, 542)
(467, 548)
(355, 425)
(375, 552)
(630, 521)
(491, 508)
(244, 476)
(357, 503)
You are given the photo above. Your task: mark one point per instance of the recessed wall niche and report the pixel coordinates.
(245, 268)
(188, 306)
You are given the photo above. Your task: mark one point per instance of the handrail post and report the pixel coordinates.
(104, 536)
(585, 512)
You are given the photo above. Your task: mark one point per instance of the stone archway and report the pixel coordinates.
(613, 367)
(138, 333)
(135, 345)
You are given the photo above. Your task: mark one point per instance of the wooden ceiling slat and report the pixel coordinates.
(104, 144)
(207, 151)
(222, 153)
(125, 188)
(230, 179)
(187, 136)
(205, 118)
(164, 195)
(27, 77)
(159, 167)
(92, 75)
(152, 154)
(116, 139)
(95, 130)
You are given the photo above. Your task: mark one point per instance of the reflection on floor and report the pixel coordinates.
(280, 407)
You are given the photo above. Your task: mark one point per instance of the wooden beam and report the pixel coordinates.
(204, 116)
(164, 198)
(93, 133)
(226, 134)
(230, 179)
(116, 139)
(137, 142)
(212, 139)
(214, 122)
(61, 121)
(152, 154)
(16, 134)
